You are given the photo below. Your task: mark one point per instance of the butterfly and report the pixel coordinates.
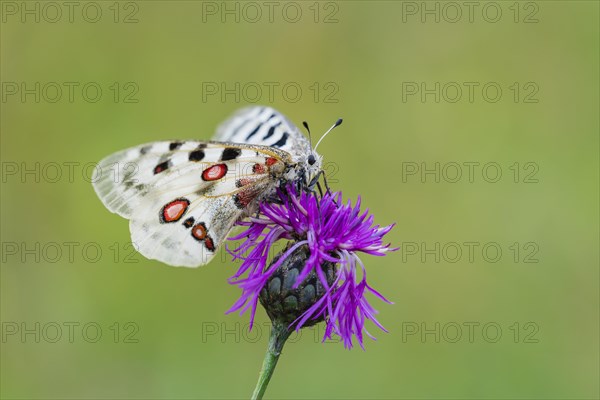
(182, 198)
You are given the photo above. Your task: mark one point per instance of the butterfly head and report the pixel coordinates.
(313, 169)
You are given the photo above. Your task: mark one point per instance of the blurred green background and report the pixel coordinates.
(351, 59)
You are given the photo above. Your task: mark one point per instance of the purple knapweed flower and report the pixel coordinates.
(333, 233)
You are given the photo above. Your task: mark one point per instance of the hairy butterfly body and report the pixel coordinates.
(183, 197)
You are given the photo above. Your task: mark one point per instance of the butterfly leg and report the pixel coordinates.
(326, 184)
(315, 181)
(320, 189)
(328, 190)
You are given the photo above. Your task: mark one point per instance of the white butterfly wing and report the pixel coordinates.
(267, 127)
(182, 198)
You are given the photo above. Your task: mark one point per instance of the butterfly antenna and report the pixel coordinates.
(337, 123)
(305, 124)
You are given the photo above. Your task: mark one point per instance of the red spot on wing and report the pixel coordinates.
(174, 210)
(199, 231)
(208, 242)
(259, 169)
(215, 172)
(243, 182)
(245, 197)
(270, 161)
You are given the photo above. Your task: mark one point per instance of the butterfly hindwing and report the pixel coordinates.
(188, 227)
(182, 198)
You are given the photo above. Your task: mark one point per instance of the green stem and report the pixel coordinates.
(279, 334)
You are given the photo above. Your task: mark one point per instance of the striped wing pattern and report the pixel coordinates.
(264, 126)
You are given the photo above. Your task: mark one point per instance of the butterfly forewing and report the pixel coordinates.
(182, 198)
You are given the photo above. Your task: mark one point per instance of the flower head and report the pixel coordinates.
(333, 233)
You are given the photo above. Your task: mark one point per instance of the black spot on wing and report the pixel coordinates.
(230, 153)
(145, 149)
(175, 145)
(189, 222)
(253, 132)
(259, 126)
(196, 155)
(271, 131)
(162, 167)
(281, 142)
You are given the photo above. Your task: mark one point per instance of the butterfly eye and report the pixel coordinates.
(311, 159)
